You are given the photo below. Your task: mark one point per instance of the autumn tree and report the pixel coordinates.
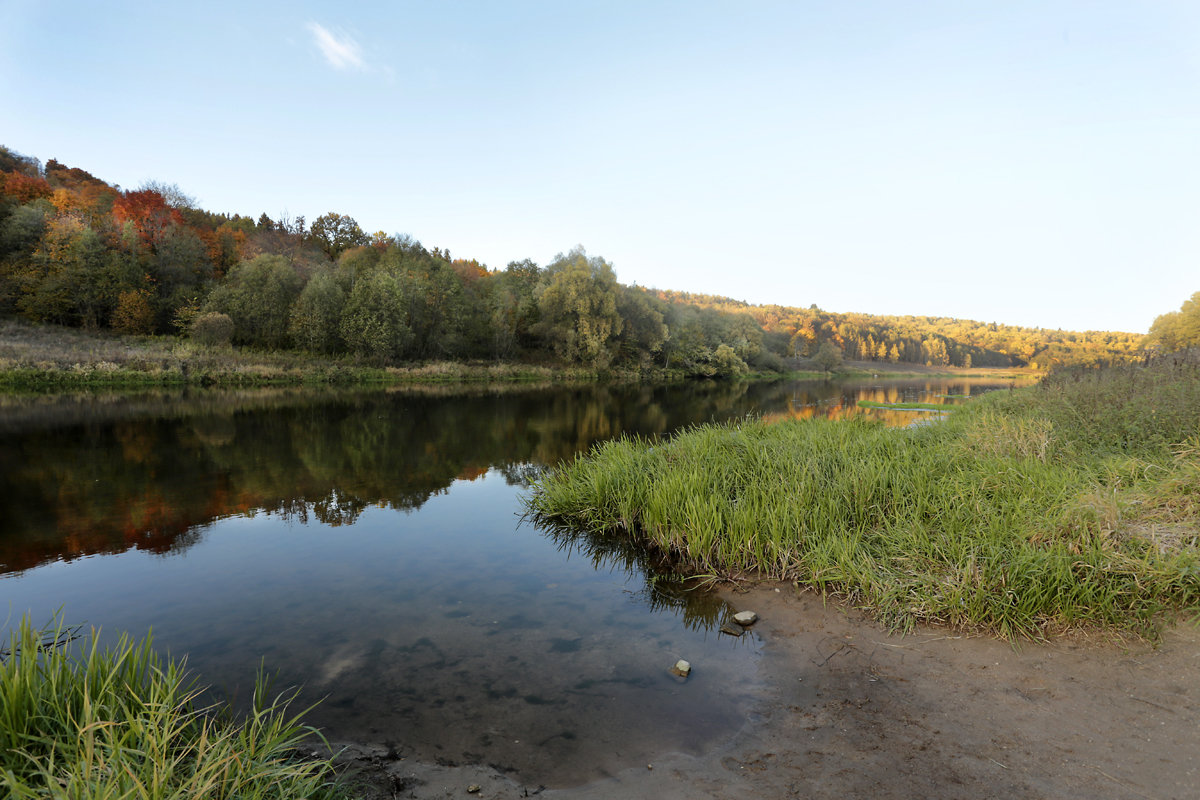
(24, 188)
(12, 161)
(171, 194)
(148, 211)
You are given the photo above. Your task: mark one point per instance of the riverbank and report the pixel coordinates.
(847, 709)
(52, 358)
(1025, 514)
(55, 358)
(843, 708)
(886, 369)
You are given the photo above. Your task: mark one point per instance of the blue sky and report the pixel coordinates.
(1034, 163)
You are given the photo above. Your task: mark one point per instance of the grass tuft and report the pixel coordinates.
(79, 722)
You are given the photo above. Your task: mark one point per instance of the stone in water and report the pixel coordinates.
(732, 630)
(681, 668)
(745, 618)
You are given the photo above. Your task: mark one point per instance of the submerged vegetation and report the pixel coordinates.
(1072, 504)
(78, 721)
(905, 406)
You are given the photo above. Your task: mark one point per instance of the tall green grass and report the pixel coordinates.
(79, 722)
(981, 521)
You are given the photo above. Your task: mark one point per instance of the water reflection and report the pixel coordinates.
(88, 474)
(366, 545)
(662, 589)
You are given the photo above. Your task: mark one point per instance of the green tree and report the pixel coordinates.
(512, 307)
(828, 357)
(258, 295)
(579, 309)
(336, 233)
(727, 363)
(434, 306)
(373, 319)
(24, 227)
(316, 316)
(179, 266)
(1176, 330)
(643, 331)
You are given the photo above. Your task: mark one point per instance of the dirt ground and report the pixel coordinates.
(849, 711)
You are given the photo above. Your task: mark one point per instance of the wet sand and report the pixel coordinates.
(845, 710)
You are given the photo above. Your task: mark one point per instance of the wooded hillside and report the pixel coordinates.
(75, 250)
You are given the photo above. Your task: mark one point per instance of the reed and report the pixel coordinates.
(978, 522)
(78, 721)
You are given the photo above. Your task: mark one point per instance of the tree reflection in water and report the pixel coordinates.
(104, 473)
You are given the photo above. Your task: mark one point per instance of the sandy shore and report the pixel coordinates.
(849, 711)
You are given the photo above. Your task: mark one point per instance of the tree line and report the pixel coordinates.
(75, 250)
(934, 341)
(1176, 330)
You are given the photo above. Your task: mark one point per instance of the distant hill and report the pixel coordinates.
(77, 251)
(935, 341)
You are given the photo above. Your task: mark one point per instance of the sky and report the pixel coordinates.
(1030, 163)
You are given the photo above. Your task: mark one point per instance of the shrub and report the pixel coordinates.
(133, 314)
(212, 329)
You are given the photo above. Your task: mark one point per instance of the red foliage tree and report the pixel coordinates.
(25, 188)
(148, 212)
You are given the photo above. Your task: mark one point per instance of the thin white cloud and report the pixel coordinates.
(339, 49)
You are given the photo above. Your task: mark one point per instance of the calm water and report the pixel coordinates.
(367, 546)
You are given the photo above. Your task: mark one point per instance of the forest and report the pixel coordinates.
(78, 251)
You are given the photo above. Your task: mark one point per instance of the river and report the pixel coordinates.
(368, 547)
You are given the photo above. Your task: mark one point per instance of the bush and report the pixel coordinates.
(212, 329)
(134, 313)
(727, 363)
(767, 361)
(828, 357)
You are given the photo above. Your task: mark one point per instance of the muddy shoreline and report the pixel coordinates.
(847, 710)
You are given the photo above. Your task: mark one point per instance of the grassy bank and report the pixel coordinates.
(77, 722)
(43, 357)
(54, 358)
(1072, 504)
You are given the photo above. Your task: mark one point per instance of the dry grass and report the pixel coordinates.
(52, 357)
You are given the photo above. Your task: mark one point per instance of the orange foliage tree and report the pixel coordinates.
(148, 211)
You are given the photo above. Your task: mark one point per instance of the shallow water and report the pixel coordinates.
(368, 546)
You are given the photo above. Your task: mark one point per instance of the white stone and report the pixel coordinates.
(681, 668)
(745, 618)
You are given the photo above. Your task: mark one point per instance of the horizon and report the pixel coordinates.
(978, 163)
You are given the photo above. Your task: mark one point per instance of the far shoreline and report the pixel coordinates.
(41, 358)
